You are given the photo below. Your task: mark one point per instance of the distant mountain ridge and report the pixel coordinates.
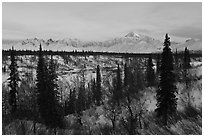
(130, 43)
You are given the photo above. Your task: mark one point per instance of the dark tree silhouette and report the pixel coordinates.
(127, 82)
(98, 93)
(71, 104)
(55, 116)
(140, 77)
(13, 83)
(186, 59)
(80, 102)
(93, 89)
(112, 103)
(48, 95)
(166, 98)
(186, 65)
(186, 74)
(118, 92)
(150, 73)
(42, 87)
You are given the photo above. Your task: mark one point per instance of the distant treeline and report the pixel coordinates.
(88, 53)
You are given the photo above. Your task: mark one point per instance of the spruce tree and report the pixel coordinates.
(150, 76)
(13, 83)
(80, 103)
(128, 83)
(54, 118)
(71, 103)
(140, 77)
(89, 95)
(166, 98)
(186, 59)
(47, 93)
(81, 98)
(118, 86)
(98, 95)
(42, 85)
(186, 67)
(93, 89)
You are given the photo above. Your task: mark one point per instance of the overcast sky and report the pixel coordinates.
(101, 21)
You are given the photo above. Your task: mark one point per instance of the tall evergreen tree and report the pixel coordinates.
(81, 98)
(186, 59)
(166, 98)
(93, 89)
(98, 92)
(186, 74)
(80, 103)
(54, 118)
(48, 95)
(140, 77)
(70, 108)
(186, 65)
(89, 98)
(118, 88)
(13, 82)
(42, 85)
(128, 83)
(150, 76)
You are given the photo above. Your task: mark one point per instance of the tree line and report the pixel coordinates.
(87, 53)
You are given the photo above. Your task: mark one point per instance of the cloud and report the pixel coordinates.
(101, 21)
(11, 25)
(188, 32)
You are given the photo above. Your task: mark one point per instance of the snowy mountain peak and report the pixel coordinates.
(132, 34)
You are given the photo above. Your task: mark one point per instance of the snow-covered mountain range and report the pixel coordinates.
(131, 43)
